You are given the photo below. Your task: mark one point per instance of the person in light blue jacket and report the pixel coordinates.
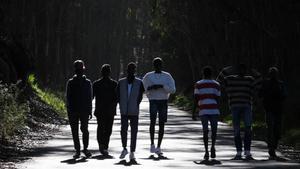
(130, 93)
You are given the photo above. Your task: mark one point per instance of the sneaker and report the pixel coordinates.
(104, 152)
(206, 155)
(131, 156)
(87, 153)
(152, 148)
(237, 157)
(158, 151)
(76, 155)
(249, 157)
(123, 153)
(213, 152)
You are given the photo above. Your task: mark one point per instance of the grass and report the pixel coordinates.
(50, 97)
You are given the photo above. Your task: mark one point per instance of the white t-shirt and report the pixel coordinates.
(163, 78)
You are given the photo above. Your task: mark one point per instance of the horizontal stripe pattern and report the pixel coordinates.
(206, 92)
(240, 90)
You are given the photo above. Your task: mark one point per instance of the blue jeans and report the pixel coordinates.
(237, 114)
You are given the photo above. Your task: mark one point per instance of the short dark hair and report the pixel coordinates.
(105, 70)
(207, 71)
(131, 64)
(157, 60)
(79, 65)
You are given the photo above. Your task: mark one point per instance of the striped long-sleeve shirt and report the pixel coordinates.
(239, 89)
(206, 92)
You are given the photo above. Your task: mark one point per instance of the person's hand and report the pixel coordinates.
(156, 86)
(90, 116)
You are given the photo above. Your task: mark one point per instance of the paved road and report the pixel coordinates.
(182, 145)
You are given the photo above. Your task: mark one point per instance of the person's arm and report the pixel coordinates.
(141, 93)
(195, 100)
(68, 96)
(94, 90)
(118, 92)
(90, 99)
(146, 83)
(169, 86)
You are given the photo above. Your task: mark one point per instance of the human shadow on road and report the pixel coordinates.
(208, 162)
(157, 158)
(74, 161)
(130, 163)
(103, 157)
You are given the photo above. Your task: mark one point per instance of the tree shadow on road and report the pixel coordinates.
(75, 161)
(209, 162)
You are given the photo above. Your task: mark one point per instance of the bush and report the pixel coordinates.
(183, 102)
(53, 99)
(12, 113)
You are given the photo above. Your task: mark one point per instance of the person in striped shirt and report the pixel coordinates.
(206, 93)
(240, 89)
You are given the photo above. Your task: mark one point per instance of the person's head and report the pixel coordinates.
(157, 64)
(131, 69)
(273, 72)
(79, 67)
(242, 69)
(105, 70)
(207, 72)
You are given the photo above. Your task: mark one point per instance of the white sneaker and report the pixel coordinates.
(131, 156)
(158, 151)
(152, 148)
(123, 154)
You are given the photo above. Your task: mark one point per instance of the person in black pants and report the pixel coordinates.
(273, 94)
(106, 101)
(79, 107)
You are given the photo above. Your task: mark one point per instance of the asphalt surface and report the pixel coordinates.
(182, 147)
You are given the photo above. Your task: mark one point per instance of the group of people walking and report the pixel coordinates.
(158, 85)
(240, 89)
(128, 92)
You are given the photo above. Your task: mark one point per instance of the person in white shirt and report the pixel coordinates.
(158, 85)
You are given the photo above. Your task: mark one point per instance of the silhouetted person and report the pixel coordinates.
(105, 93)
(273, 93)
(206, 94)
(158, 86)
(240, 89)
(130, 94)
(79, 107)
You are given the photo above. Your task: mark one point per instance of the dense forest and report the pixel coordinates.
(186, 34)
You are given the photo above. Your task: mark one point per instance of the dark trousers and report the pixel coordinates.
(74, 123)
(245, 113)
(134, 121)
(273, 120)
(213, 120)
(104, 131)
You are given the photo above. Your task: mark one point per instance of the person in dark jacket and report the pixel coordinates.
(79, 107)
(106, 102)
(273, 93)
(130, 93)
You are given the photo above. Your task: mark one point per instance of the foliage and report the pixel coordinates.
(183, 102)
(12, 112)
(52, 98)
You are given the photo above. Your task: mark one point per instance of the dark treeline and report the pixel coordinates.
(186, 34)
(260, 33)
(59, 32)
